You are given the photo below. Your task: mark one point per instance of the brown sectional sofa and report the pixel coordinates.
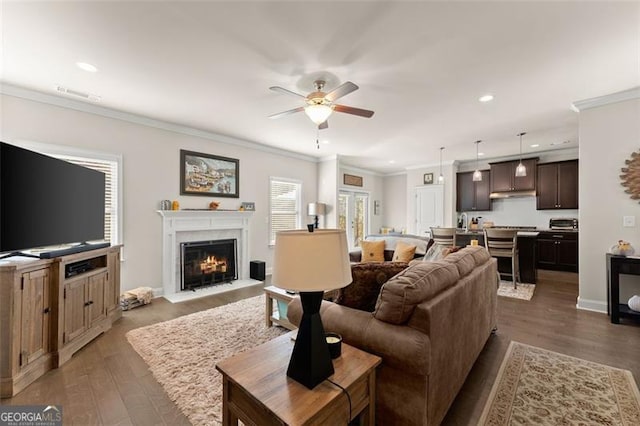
(429, 325)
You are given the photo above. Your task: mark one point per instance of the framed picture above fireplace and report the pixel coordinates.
(209, 175)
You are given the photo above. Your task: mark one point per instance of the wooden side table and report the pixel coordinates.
(272, 293)
(257, 390)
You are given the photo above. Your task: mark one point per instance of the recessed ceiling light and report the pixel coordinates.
(480, 154)
(392, 161)
(86, 66)
(535, 145)
(486, 98)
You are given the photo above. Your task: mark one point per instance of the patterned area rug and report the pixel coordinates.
(523, 292)
(540, 387)
(182, 353)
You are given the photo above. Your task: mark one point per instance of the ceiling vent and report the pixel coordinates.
(85, 96)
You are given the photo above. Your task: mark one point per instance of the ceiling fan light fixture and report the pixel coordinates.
(318, 113)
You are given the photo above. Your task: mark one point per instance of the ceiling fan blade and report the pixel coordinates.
(340, 91)
(291, 111)
(286, 91)
(323, 125)
(355, 111)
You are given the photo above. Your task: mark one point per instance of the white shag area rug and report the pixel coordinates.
(523, 292)
(182, 353)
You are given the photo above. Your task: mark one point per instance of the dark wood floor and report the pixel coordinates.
(108, 383)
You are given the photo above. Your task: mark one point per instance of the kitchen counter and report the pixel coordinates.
(526, 252)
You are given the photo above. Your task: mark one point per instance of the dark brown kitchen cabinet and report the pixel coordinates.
(558, 251)
(557, 185)
(472, 196)
(503, 176)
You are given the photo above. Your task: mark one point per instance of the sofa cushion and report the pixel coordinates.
(466, 260)
(372, 251)
(363, 291)
(421, 281)
(404, 252)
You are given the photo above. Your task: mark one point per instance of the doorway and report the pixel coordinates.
(353, 215)
(429, 208)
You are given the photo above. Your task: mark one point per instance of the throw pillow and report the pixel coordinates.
(436, 252)
(368, 278)
(372, 251)
(404, 252)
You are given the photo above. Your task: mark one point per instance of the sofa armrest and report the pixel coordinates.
(400, 347)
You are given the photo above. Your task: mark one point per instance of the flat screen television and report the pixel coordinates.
(45, 202)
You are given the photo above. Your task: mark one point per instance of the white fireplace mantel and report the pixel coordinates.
(179, 226)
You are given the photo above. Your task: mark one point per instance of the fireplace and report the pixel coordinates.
(205, 263)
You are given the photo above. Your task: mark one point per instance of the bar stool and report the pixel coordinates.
(444, 236)
(502, 243)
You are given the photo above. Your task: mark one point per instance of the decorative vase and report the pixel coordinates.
(634, 303)
(622, 249)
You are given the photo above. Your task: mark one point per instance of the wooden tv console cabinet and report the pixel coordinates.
(51, 308)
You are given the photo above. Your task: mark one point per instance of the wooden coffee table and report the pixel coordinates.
(257, 390)
(272, 293)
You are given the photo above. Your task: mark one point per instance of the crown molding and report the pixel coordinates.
(612, 98)
(45, 98)
(430, 165)
(359, 170)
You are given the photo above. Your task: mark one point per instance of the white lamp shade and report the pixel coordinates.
(318, 113)
(521, 170)
(314, 209)
(311, 261)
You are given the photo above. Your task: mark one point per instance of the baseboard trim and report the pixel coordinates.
(158, 292)
(592, 305)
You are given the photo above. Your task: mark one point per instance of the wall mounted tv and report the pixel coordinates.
(46, 202)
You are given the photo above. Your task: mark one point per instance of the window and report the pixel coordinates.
(284, 206)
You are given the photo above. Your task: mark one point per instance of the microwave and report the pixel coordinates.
(563, 223)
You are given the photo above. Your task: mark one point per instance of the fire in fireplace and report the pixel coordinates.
(205, 263)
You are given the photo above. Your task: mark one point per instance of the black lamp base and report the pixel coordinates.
(310, 362)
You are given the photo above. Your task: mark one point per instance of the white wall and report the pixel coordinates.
(372, 184)
(328, 191)
(394, 206)
(608, 135)
(151, 173)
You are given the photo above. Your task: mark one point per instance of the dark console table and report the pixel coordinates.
(617, 265)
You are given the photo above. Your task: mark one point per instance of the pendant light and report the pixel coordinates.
(441, 177)
(521, 170)
(477, 175)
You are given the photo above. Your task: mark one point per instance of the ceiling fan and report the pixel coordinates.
(320, 105)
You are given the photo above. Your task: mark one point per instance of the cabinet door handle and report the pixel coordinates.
(558, 236)
(87, 303)
(46, 310)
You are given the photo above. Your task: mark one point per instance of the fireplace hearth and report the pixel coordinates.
(206, 263)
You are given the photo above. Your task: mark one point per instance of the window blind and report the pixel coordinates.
(285, 203)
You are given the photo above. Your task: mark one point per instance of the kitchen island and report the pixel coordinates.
(526, 243)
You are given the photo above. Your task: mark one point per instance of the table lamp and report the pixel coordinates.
(316, 209)
(311, 263)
